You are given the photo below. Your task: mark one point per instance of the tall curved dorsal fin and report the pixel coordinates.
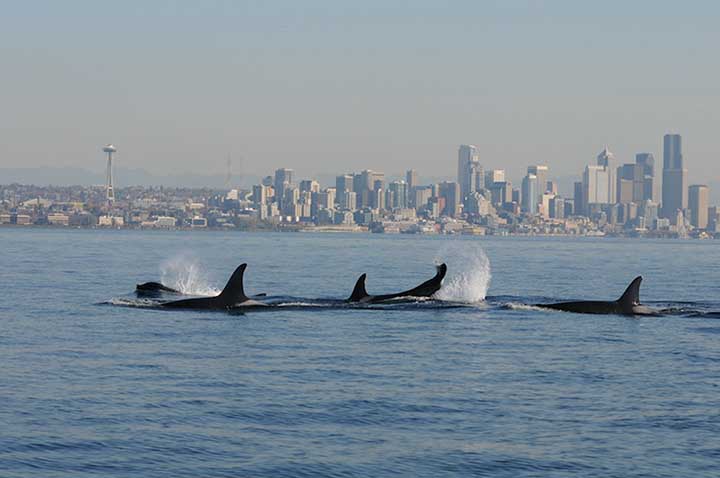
(441, 271)
(631, 296)
(359, 291)
(234, 292)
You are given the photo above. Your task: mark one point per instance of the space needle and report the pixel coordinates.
(110, 149)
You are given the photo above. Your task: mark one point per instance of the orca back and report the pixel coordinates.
(430, 286)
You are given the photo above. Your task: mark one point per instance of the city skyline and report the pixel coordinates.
(611, 198)
(564, 180)
(381, 86)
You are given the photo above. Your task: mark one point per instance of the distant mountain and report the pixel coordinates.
(123, 177)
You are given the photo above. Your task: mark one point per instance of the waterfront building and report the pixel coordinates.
(698, 197)
(714, 219)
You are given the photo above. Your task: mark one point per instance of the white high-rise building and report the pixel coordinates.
(541, 172)
(494, 176)
(468, 165)
(607, 160)
(596, 185)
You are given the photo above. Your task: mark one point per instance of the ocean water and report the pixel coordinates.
(482, 384)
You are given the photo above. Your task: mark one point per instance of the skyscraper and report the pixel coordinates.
(630, 183)
(596, 189)
(364, 185)
(398, 195)
(529, 194)
(283, 179)
(468, 165)
(541, 173)
(698, 201)
(411, 180)
(647, 162)
(674, 186)
(343, 184)
(607, 160)
(578, 199)
(450, 193)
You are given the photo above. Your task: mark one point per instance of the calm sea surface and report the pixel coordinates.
(91, 385)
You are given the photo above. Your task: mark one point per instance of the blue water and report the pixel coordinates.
(92, 387)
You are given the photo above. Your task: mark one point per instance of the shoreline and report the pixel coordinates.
(351, 230)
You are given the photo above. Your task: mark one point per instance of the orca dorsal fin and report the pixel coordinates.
(441, 271)
(631, 296)
(359, 291)
(234, 292)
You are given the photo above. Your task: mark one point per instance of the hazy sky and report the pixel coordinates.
(334, 86)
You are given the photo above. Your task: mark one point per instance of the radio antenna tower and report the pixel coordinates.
(110, 149)
(228, 172)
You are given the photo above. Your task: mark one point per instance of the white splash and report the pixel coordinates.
(468, 275)
(519, 306)
(185, 274)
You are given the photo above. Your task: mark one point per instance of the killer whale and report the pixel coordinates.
(154, 288)
(627, 304)
(157, 288)
(233, 295)
(426, 289)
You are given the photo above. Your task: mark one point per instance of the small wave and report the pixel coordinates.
(185, 274)
(521, 306)
(131, 302)
(468, 272)
(301, 304)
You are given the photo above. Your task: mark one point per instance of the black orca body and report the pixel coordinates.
(232, 296)
(426, 289)
(627, 304)
(154, 288)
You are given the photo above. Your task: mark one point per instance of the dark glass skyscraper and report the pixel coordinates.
(672, 151)
(674, 187)
(647, 161)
